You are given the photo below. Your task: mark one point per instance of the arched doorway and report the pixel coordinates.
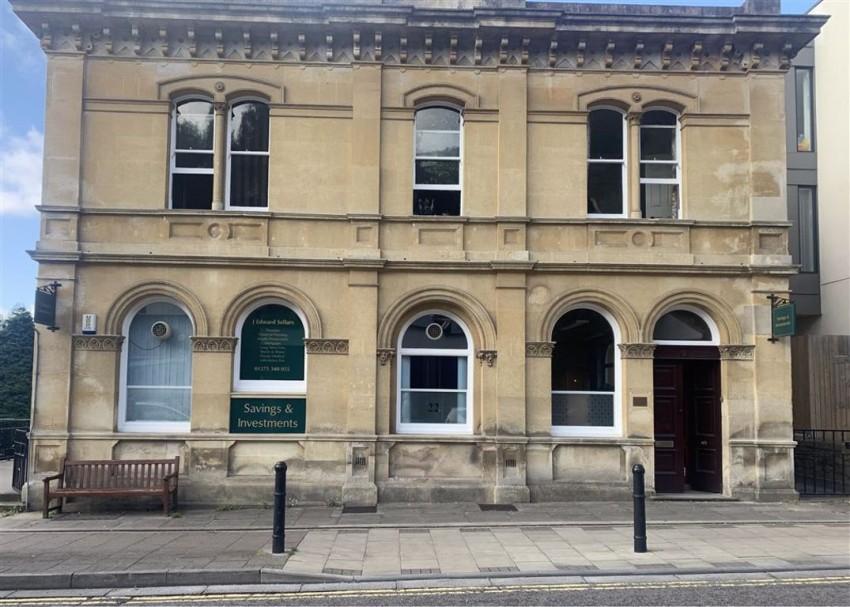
(686, 376)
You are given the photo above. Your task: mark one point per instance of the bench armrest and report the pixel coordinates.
(52, 477)
(170, 476)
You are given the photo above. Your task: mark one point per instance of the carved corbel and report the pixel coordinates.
(329, 47)
(736, 352)
(106, 34)
(666, 55)
(785, 56)
(192, 42)
(755, 55)
(163, 41)
(639, 55)
(477, 54)
(453, 49)
(726, 55)
(539, 349)
(385, 355)
(503, 50)
(379, 48)
(696, 55)
(609, 54)
(355, 45)
(219, 44)
(523, 58)
(247, 45)
(637, 350)
(402, 53)
(580, 53)
(429, 48)
(487, 356)
(46, 37)
(553, 51)
(77, 37)
(136, 39)
(302, 47)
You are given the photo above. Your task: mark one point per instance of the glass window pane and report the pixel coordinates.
(429, 143)
(249, 181)
(606, 134)
(583, 410)
(605, 188)
(437, 172)
(434, 373)
(657, 144)
(658, 118)
(803, 80)
(249, 128)
(659, 200)
(807, 229)
(681, 325)
(658, 171)
(191, 191)
(583, 355)
(436, 202)
(196, 107)
(438, 119)
(194, 161)
(434, 331)
(194, 132)
(433, 407)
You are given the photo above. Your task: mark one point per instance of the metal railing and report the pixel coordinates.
(8, 426)
(822, 462)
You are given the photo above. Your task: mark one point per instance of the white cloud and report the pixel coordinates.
(20, 172)
(18, 43)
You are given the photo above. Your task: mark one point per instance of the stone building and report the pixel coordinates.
(487, 250)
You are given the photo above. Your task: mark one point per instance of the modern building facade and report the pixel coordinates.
(475, 250)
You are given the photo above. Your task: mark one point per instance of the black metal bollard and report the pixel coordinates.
(279, 526)
(640, 507)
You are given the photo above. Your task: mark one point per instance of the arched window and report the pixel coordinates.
(659, 164)
(585, 374)
(248, 155)
(270, 356)
(437, 162)
(156, 369)
(685, 326)
(434, 376)
(606, 162)
(192, 151)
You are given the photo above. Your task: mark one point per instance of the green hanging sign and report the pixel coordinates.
(268, 415)
(784, 322)
(272, 345)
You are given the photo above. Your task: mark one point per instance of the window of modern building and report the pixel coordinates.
(803, 81)
(585, 374)
(248, 155)
(437, 162)
(270, 356)
(683, 327)
(606, 162)
(192, 154)
(156, 372)
(659, 164)
(434, 376)
(807, 229)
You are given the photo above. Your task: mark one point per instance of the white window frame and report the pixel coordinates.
(172, 162)
(148, 426)
(416, 428)
(709, 321)
(597, 431)
(676, 162)
(268, 386)
(624, 162)
(230, 154)
(459, 158)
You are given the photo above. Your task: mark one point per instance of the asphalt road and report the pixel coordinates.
(810, 589)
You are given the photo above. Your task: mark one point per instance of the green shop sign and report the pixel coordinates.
(272, 345)
(268, 415)
(784, 322)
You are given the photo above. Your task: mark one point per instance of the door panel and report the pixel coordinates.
(669, 428)
(705, 430)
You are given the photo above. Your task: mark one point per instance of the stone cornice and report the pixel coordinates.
(214, 344)
(326, 346)
(534, 36)
(98, 343)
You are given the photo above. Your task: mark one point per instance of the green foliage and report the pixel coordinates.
(16, 346)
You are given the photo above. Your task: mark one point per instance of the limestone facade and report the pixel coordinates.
(338, 242)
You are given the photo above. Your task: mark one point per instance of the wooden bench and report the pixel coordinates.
(131, 477)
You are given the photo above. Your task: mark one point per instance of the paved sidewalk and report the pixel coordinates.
(408, 541)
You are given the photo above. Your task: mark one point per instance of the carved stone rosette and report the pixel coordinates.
(736, 352)
(326, 346)
(214, 344)
(385, 355)
(98, 343)
(539, 349)
(487, 356)
(637, 350)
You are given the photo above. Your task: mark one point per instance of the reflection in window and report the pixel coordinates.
(803, 86)
(248, 154)
(583, 370)
(192, 155)
(434, 380)
(159, 366)
(807, 229)
(659, 165)
(437, 174)
(606, 162)
(681, 325)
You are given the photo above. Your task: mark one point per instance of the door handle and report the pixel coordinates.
(703, 443)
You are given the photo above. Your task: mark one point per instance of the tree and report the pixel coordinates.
(16, 348)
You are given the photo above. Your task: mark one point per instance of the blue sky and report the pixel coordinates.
(22, 80)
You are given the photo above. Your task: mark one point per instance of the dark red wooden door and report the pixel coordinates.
(704, 465)
(669, 426)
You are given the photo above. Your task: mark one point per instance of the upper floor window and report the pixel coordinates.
(248, 155)
(806, 253)
(606, 163)
(192, 154)
(803, 88)
(437, 162)
(659, 164)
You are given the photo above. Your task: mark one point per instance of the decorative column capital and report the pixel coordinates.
(385, 355)
(326, 346)
(539, 349)
(214, 344)
(637, 350)
(736, 352)
(98, 343)
(487, 356)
